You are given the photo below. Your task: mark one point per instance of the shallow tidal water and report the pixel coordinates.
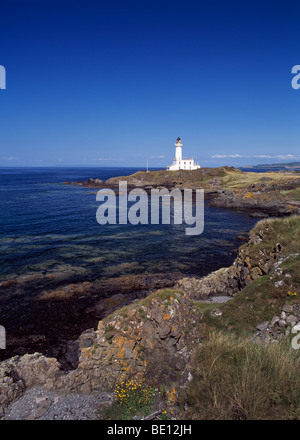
(50, 239)
(48, 227)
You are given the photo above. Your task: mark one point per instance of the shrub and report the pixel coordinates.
(131, 398)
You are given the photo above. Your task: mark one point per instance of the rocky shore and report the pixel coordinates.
(57, 312)
(261, 194)
(148, 326)
(154, 338)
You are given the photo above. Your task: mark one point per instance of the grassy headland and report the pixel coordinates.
(235, 371)
(269, 193)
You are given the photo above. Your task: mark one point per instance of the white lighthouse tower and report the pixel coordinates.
(178, 150)
(179, 163)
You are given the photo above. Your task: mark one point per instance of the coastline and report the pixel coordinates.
(82, 296)
(157, 337)
(271, 193)
(45, 309)
(164, 301)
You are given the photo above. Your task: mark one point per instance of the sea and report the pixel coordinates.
(50, 239)
(47, 226)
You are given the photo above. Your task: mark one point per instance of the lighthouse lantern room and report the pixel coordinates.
(179, 163)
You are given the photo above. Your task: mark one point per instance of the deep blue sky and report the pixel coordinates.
(113, 83)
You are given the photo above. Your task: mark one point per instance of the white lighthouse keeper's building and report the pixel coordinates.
(179, 163)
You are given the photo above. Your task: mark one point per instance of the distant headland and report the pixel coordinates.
(283, 166)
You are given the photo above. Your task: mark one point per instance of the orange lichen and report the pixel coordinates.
(249, 195)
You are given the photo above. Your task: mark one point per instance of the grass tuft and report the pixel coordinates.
(241, 379)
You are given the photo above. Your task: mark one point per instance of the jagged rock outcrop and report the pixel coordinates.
(264, 200)
(153, 339)
(147, 339)
(61, 311)
(247, 267)
(22, 372)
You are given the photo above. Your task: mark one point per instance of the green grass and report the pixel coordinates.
(256, 303)
(240, 180)
(235, 377)
(187, 177)
(260, 300)
(238, 379)
(203, 307)
(283, 228)
(293, 195)
(109, 333)
(163, 295)
(285, 231)
(142, 314)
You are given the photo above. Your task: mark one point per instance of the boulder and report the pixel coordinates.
(22, 372)
(263, 326)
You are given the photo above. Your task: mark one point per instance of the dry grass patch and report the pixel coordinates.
(245, 179)
(241, 379)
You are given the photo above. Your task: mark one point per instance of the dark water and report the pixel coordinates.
(49, 234)
(47, 226)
